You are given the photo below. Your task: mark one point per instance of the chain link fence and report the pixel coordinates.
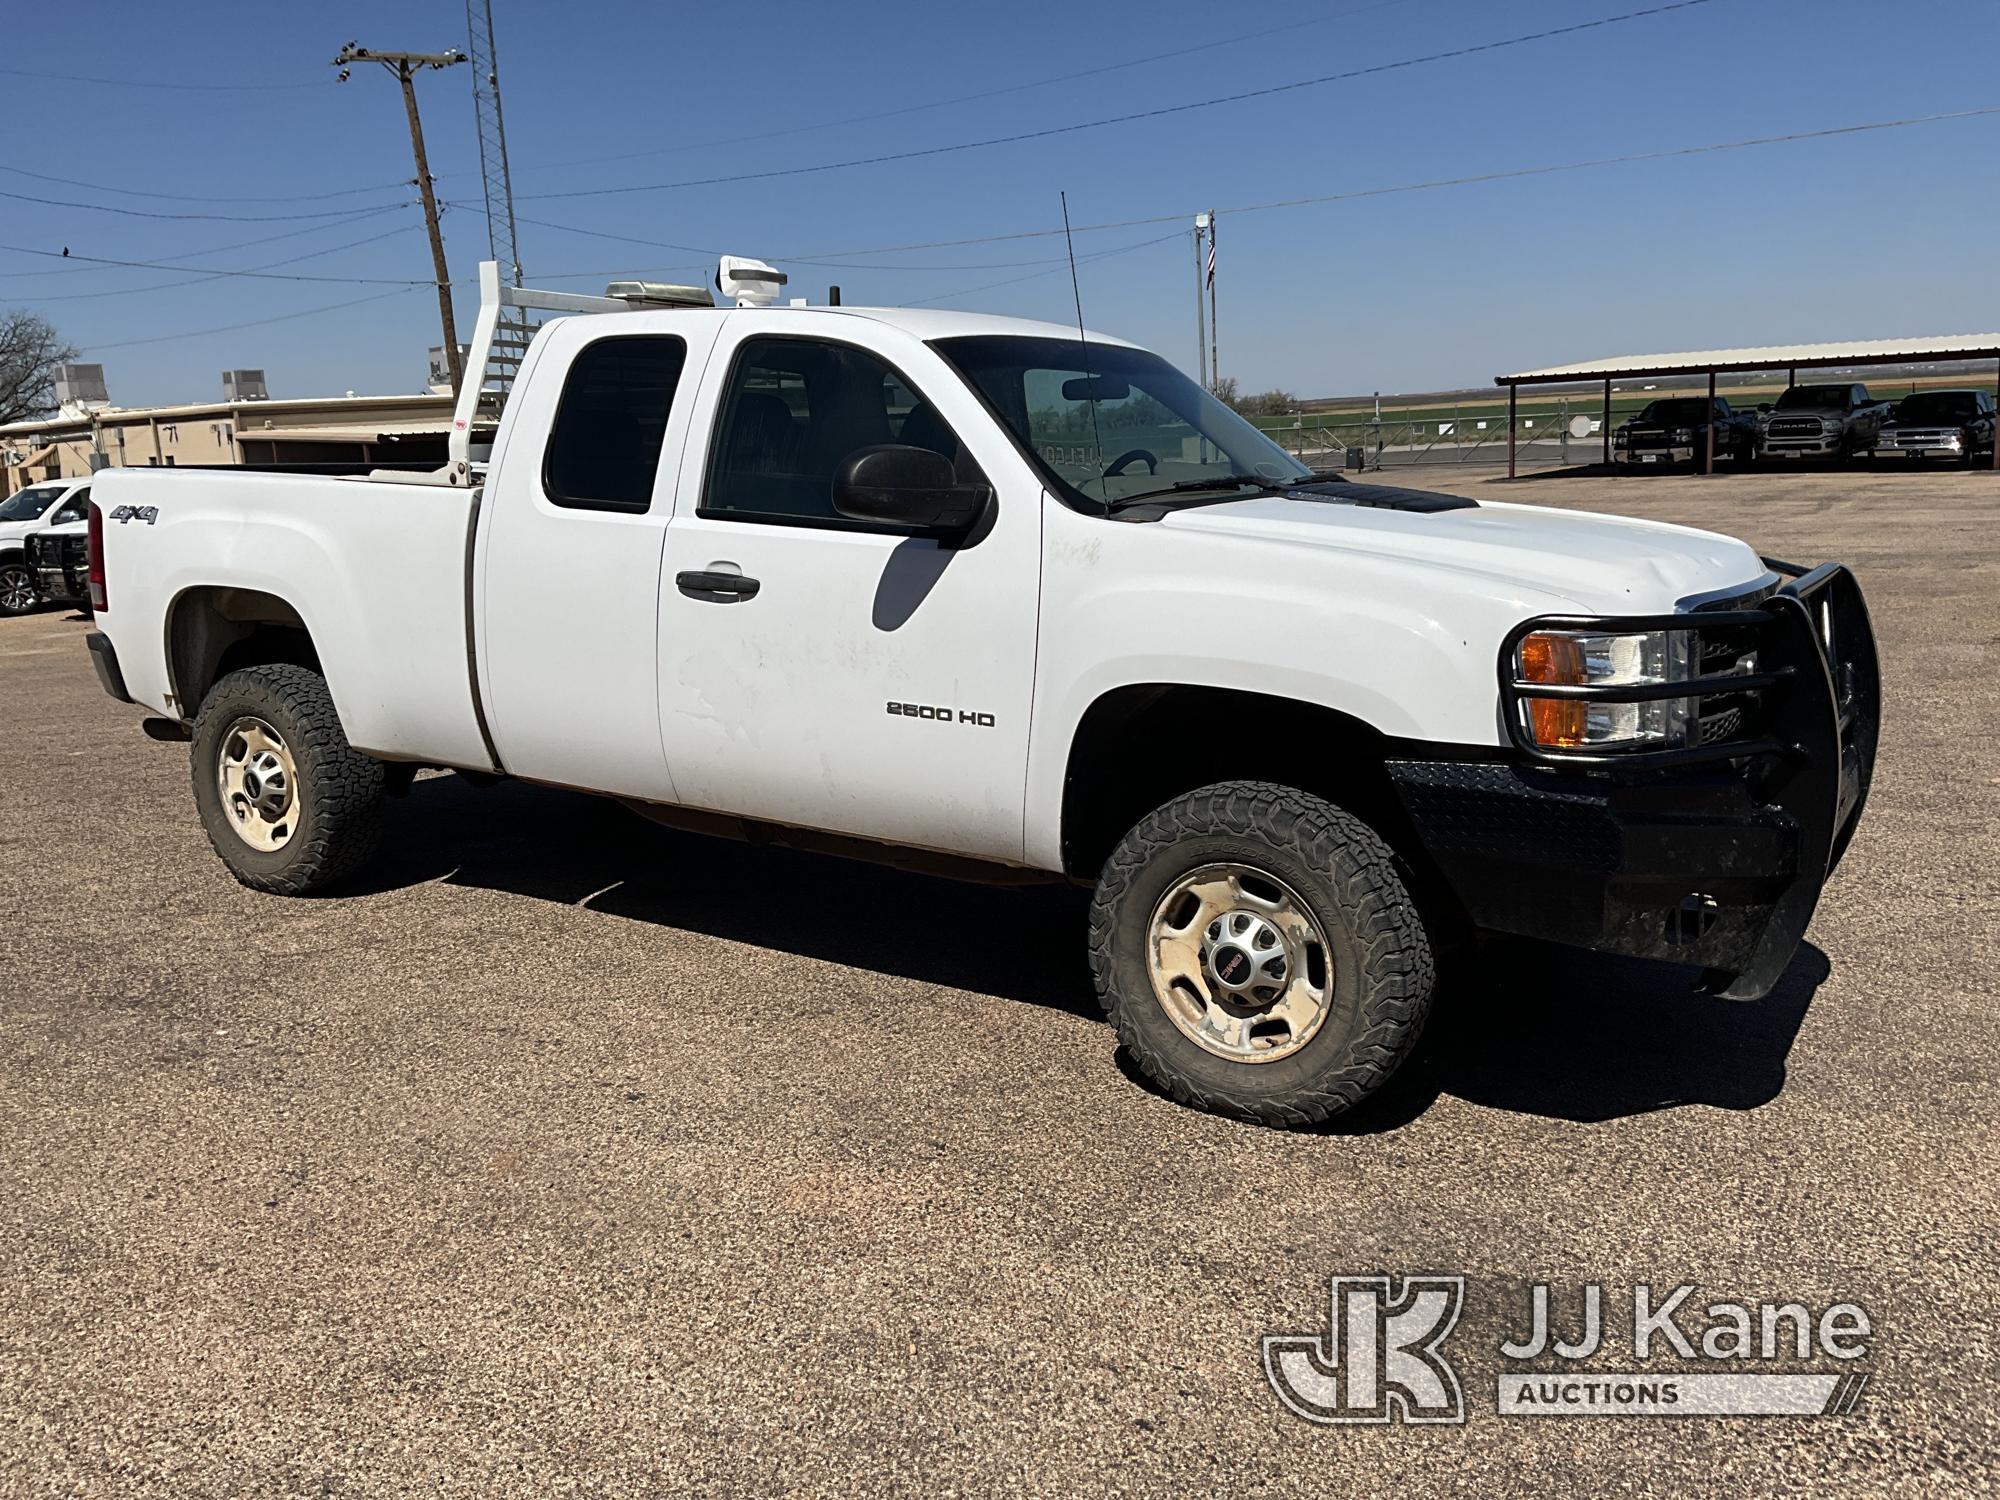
(1452, 435)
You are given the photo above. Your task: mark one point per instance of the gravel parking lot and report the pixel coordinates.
(571, 1156)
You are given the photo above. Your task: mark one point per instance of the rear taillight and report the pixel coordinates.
(100, 599)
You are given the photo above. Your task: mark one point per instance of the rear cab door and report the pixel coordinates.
(568, 548)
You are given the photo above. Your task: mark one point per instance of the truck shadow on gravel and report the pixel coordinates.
(1542, 1030)
(1520, 1026)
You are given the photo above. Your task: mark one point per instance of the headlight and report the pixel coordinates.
(1683, 434)
(1566, 659)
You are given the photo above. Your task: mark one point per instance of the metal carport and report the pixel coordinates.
(1793, 357)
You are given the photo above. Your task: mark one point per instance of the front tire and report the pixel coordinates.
(17, 588)
(1259, 954)
(289, 805)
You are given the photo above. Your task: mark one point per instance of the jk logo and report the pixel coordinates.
(1378, 1359)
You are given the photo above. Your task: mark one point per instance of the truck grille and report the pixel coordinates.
(1795, 427)
(1911, 437)
(1721, 717)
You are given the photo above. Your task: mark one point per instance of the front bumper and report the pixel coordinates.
(1713, 855)
(1827, 445)
(61, 585)
(1924, 444)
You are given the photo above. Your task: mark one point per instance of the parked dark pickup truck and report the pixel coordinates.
(1824, 421)
(1675, 430)
(1942, 424)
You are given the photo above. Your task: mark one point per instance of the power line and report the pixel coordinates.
(844, 258)
(105, 187)
(1160, 112)
(1089, 259)
(1012, 88)
(147, 213)
(803, 260)
(147, 83)
(163, 286)
(289, 234)
(208, 271)
(310, 312)
(1669, 153)
(1664, 154)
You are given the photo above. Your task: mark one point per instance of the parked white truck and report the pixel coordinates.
(39, 507)
(981, 596)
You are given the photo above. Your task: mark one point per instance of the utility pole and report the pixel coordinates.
(404, 65)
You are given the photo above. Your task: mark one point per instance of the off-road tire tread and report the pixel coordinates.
(1398, 971)
(346, 786)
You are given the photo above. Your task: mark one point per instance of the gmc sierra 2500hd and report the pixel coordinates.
(984, 596)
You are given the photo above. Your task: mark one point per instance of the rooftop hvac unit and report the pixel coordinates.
(244, 385)
(439, 381)
(81, 387)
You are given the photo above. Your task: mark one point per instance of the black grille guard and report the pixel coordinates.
(1810, 752)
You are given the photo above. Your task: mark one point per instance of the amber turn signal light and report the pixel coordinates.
(1555, 723)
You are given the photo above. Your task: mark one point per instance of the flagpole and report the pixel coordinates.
(1200, 316)
(1214, 359)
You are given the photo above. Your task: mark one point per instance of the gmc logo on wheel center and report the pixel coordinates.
(941, 715)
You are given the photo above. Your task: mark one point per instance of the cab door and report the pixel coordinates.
(569, 549)
(833, 674)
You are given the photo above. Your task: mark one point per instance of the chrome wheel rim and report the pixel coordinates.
(17, 588)
(1239, 963)
(259, 782)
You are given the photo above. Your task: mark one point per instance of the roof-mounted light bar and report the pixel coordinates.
(659, 294)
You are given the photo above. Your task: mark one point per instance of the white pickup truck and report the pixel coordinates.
(987, 597)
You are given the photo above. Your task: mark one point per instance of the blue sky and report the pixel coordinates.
(1881, 234)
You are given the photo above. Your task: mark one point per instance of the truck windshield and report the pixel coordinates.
(1109, 423)
(30, 503)
(1683, 409)
(1938, 406)
(1814, 395)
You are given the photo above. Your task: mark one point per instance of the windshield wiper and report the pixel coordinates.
(1221, 482)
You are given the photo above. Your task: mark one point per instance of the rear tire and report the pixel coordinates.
(289, 805)
(1230, 881)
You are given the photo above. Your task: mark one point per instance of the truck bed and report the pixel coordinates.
(376, 569)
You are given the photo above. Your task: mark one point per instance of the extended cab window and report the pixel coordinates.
(793, 412)
(605, 444)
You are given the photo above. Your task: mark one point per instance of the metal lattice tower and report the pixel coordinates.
(492, 139)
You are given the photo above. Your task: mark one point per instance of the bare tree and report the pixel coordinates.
(30, 350)
(1224, 390)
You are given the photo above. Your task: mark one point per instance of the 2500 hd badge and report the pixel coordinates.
(941, 715)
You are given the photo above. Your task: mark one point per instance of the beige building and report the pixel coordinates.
(361, 431)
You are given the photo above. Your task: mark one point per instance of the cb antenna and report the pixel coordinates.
(1089, 380)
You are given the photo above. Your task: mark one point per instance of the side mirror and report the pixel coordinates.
(1763, 406)
(905, 486)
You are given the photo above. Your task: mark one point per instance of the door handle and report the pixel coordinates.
(722, 588)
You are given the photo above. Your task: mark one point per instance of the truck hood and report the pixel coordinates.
(1830, 413)
(1599, 564)
(13, 531)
